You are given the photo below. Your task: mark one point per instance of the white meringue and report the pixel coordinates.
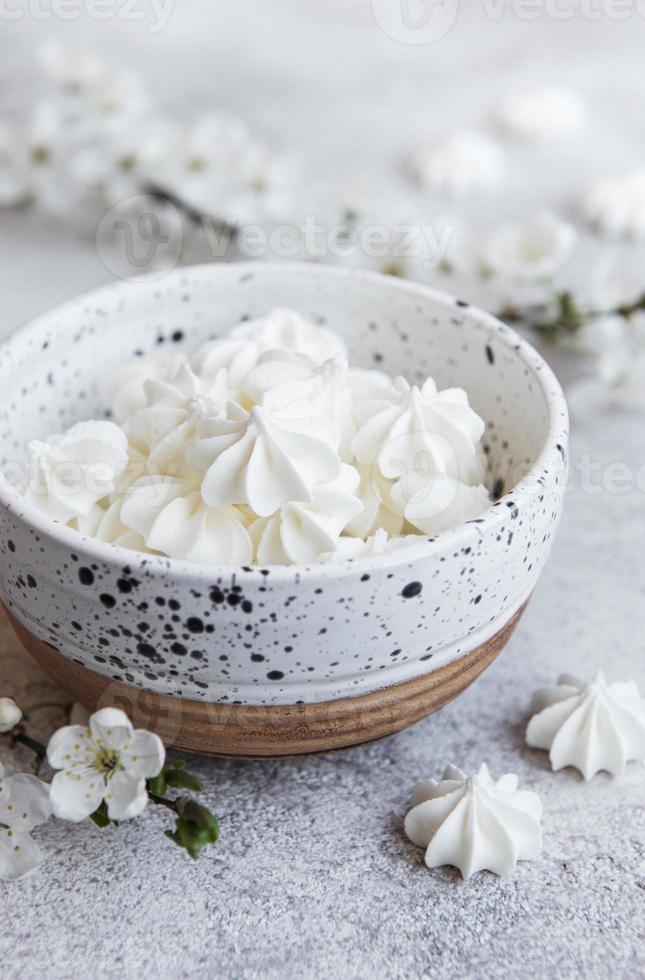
(237, 355)
(439, 502)
(171, 517)
(105, 524)
(615, 206)
(295, 386)
(533, 249)
(262, 460)
(590, 725)
(302, 531)
(475, 823)
(409, 430)
(380, 510)
(463, 163)
(126, 392)
(70, 473)
(284, 329)
(166, 425)
(544, 114)
(348, 549)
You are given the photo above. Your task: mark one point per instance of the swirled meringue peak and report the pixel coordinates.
(171, 517)
(285, 329)
(264, 445)
(475, 823)
(406, 428)
(126, 391)
(302, 531)
(436, 503)
(70, 473)
(591, 725)
(167, 423)
(295, 386)
(262, 460)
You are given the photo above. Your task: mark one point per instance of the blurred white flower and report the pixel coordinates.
(106, 761)
(544, 114)
(219, 168)
(618, 348)
(534, 249)
(24, 805)
(10, 714)
(463, 163)
(14, 168)
(615, 206)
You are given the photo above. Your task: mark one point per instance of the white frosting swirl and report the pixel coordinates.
(302, 531)
(70, 473)
(439, 502)
(172, 518)
(236, 355)
(262, 460)
(105, 524)
(285, 329)
(293, 385)
(591, 725)
(348, 549)
(475, 823)
(167, 424)
(380, 508)
(126, 391)
(411, 430)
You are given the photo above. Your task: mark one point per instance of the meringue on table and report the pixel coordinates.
(475, 823)
(590, 725)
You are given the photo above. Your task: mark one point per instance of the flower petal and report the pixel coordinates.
(19, 855)
(126, 796)
(76, 793)
(111, 726)
(144, 756)
(68, 745)
(24, 803)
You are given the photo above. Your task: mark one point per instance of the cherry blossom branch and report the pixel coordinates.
(562, 316)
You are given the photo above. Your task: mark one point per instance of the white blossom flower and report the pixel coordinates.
(618, 348)
(220, 168)
(463, 163)
(24, 805)
(10, 714)
(615, 206)
(544, 114)
(105, 761)
(534, 249)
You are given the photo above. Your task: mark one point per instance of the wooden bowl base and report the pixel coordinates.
(243, 731)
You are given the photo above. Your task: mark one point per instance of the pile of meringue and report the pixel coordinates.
(264, 446)
(477, 823)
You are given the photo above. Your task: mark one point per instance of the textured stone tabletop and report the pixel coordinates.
(313, 876)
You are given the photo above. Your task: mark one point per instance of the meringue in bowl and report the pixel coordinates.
(269, 634)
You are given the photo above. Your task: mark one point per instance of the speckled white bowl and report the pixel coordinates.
(283, 635)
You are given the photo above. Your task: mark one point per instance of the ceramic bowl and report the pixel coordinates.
(281, 636)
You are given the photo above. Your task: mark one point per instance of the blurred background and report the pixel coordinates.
(494, 150)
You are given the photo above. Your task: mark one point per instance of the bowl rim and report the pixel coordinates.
(93, 550)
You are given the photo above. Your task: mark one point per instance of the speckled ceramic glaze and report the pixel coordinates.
(281, 635)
